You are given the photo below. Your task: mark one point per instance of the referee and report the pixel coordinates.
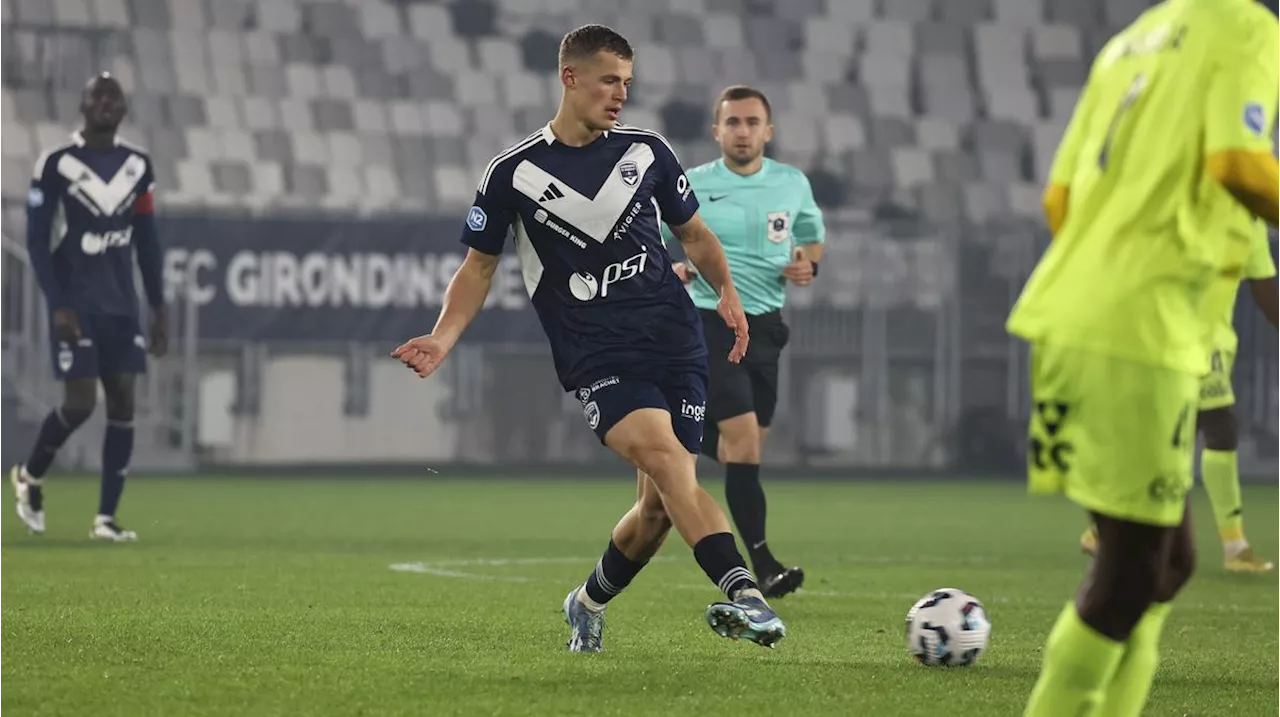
(764, 213)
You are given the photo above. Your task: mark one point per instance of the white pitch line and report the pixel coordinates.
(442, 568)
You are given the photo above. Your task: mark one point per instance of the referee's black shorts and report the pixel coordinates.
(746, 387)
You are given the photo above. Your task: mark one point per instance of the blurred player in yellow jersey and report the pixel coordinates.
(1219, 468)
(1168, 147)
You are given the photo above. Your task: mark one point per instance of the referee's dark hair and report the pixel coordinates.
(587, 40)
(741, 92)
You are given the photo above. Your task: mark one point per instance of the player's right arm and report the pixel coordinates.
(486, 231)
(1241, 109)
(42, 201)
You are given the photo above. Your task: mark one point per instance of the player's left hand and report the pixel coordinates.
(730, 309)
(423, 354)
(800, 270)
(159, 345)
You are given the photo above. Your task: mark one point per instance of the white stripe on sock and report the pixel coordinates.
(605, 585)
(733, 576)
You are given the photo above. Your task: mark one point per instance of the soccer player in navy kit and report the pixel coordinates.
(585, 196)
(90, 206)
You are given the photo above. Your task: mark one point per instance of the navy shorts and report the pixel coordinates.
(108, 345)
(608, 400)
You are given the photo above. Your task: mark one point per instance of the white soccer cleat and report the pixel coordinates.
(106, 528)
(30, 501)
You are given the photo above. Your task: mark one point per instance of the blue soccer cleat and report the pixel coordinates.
(587, 624)
(746, 619)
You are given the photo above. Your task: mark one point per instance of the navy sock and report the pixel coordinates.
(613, 573)
(117, 449)
(745, 496)
(719, 558)
(53, 433)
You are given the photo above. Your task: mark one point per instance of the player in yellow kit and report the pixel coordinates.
(1217, 418)
(1167, 147)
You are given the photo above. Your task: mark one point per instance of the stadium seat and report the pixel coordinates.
(851, 11)
(912, 167)
(407, 118)
(956, 167)
(278, 16)
(915, 11)
(16, 177)
(937, 133)
(723, 31)
(111, 14)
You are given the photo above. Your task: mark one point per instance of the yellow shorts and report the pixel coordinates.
(1215, 386)
(1116, 436)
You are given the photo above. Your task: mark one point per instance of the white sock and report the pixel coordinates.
(587, 602)
(102, 519)
(1232, 548)
(27, 478)
(749, 593)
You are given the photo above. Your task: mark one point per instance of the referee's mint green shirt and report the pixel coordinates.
(759, 218)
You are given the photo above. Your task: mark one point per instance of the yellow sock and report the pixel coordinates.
(1079, 665)
(1221, 475)
(1128, 690)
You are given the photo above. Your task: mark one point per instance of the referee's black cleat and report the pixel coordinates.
(783, 583)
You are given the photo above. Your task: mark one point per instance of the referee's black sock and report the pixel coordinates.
(747, 505)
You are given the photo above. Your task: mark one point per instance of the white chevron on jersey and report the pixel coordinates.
(595, 216)
(531, 266)
(99, 196)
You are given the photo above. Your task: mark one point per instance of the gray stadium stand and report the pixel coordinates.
(951, 106)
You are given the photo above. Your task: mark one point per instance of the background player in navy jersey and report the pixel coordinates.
(89, 207)
(585, 196)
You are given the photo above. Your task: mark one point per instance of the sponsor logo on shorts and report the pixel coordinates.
(35, 197)
(65, 357)
(1049, 448)
(1167, 490)
(611, 381)
(140, 342)
(584, 394)
(1213, 390)
(592, 413)
(695, 411)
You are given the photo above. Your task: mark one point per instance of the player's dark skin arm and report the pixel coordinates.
(150, 258)
(1265, 296)
(39, 230)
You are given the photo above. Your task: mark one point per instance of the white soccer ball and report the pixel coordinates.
(947, 627)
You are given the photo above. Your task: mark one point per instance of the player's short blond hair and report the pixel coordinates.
(733, 93)
(587, 40)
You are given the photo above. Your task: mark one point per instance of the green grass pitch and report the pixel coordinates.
(277, 596)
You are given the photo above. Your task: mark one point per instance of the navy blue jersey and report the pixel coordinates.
(86, 211)
(586, 226)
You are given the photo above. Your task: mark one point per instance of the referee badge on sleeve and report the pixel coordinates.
(779, 226)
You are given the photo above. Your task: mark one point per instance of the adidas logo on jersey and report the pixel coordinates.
(551, 192)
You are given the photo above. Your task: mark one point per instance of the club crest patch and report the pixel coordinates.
(629, 172)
